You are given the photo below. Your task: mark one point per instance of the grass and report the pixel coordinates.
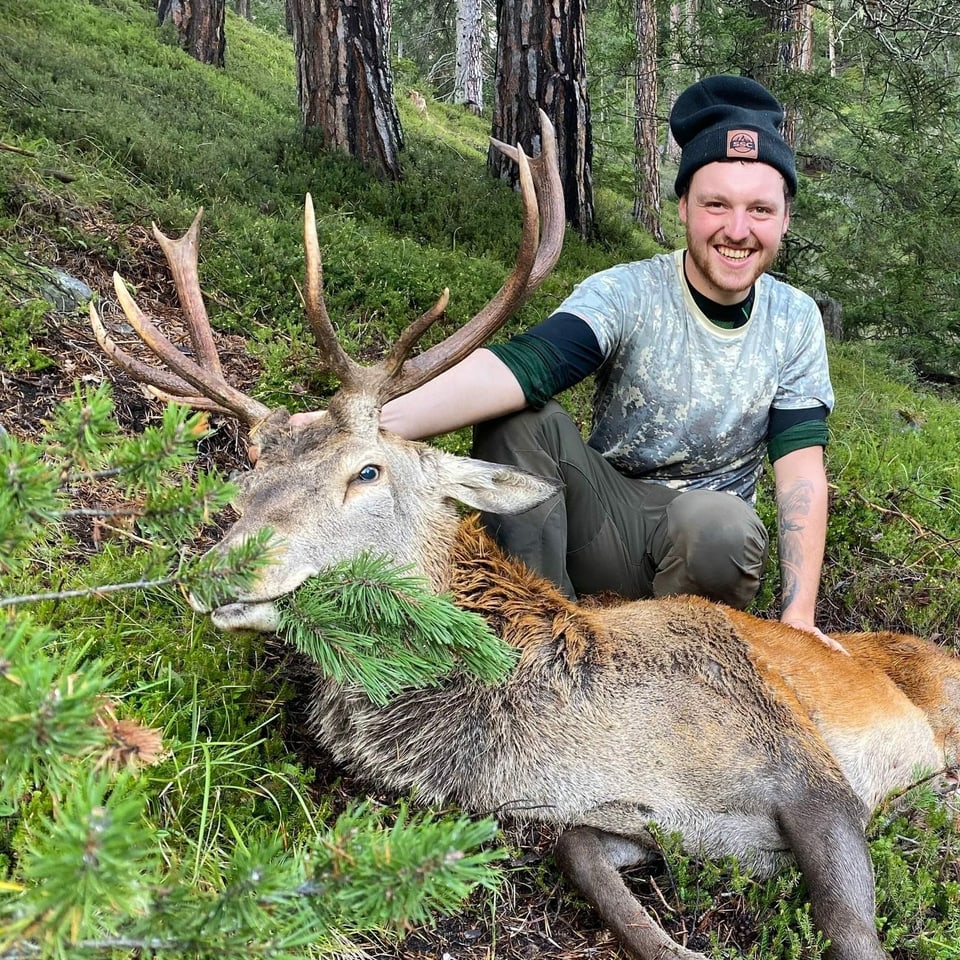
(112, 127)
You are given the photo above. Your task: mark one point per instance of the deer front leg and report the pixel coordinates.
(592, 860)
(826, 837)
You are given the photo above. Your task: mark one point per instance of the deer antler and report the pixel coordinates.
(200, 383)
(395, 375)
(197, 384)
(354, 377)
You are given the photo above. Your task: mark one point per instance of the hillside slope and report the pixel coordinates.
(106, 126)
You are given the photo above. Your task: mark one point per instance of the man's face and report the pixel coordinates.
(736, 215)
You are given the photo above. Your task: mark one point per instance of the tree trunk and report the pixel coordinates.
(684, 37)
(386, 16)
(784, 46)
(344, 82)
(468, 82)
(794, 53)
(541, 63)
(199, 26)
(242, 8)
(646, 201)
(832, 37)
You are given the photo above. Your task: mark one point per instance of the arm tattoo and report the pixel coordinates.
(794, 508)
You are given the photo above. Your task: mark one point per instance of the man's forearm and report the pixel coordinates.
(801, 489)
(478, 388)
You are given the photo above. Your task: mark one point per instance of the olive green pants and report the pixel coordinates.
(604, 532)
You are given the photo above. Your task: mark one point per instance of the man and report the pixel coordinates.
(704, 364)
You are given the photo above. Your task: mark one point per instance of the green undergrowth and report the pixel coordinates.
(894, 463)
(114, 127)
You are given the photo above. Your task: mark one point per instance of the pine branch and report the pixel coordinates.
(217, 576)
(211, 577)
(403, 875)
(47, 710)
(101, 590)
(97, 849)
(369, 624)
(364, 873)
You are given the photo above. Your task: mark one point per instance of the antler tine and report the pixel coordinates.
(161, 383)
(190, 384)
(537, 255)
(182, 255)
(546, 178)
(332, 354)
(393, 361)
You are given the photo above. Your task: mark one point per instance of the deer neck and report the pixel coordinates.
(523, 608)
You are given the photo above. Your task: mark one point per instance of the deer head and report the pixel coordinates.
(340, 485)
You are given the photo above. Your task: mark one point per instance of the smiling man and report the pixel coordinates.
(705, 365)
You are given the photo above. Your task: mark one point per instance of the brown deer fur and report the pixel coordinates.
(738, 732)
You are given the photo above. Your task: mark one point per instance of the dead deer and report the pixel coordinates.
(743, 735)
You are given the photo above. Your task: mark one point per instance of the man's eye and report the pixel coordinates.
(369, 473)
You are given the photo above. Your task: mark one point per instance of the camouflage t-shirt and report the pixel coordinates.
(682, 401)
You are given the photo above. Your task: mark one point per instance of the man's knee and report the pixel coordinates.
(718, 548)
(508, 439)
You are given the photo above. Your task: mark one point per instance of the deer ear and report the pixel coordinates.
(271, 432)
(493, 487)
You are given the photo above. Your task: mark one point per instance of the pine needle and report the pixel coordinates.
(370, 624)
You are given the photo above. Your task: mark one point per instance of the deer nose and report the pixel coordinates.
(259, 617)
(198, 605)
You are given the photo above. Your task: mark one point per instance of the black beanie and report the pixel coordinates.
(729, 118)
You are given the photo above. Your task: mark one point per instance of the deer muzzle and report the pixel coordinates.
(259, 617)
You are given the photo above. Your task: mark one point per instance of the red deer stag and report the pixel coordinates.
(743, 735)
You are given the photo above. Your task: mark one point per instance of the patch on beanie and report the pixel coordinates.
(743, 145)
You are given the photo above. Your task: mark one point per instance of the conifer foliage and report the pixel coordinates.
(367, 623)
(119, 833)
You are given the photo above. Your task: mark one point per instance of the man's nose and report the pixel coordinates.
(737, 225)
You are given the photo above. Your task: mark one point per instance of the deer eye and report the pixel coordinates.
(369, 473)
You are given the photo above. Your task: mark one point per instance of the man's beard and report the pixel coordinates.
(719, 278)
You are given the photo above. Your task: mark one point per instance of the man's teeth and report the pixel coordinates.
(734, 253)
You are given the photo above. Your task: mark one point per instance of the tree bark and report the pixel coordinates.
(344, 83)
(787, 47)
(199, 26)
(468, 81)
(386, 16)
(646, 201)
(684, 30)
(541, 63)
